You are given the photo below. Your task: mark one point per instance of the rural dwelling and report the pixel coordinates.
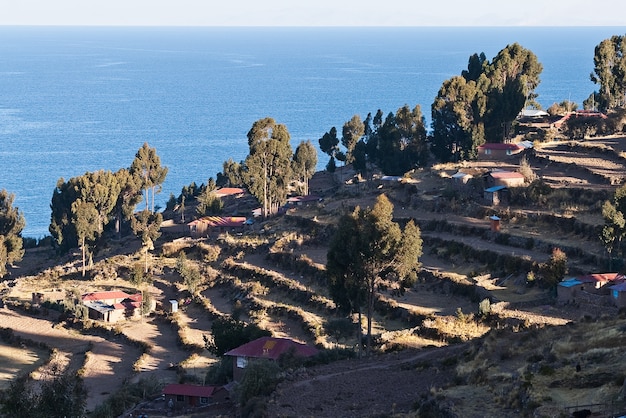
(229, 191)
(54, 296)
(179, 396)
(496, 195)
(113, 306)
(497, 151)
(460, 178)
(576, 289)
(618, 294)
(215, 225)
(269, 348)
(579, 113)
(533, 114)
(302, 201)
(506, 178)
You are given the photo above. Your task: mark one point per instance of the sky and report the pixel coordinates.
(313, 13)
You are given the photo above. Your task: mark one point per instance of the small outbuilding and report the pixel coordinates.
(178, 396)
(496, 195)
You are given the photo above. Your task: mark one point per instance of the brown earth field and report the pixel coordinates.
(435, 356)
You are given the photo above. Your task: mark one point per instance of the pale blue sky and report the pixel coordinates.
(314, 13)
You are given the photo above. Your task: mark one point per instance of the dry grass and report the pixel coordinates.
(18, 360)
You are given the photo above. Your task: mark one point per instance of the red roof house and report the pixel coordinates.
(179, 396)
(270, 348)
(496, 151)
(112, 306)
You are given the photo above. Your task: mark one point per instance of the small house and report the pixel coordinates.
(460, 178)
(302, 200)
(496, 195)
(113, 306)
(618, 294)
(576, 288)
(179, 396)
(215, 225)
(506, 178)
(498, 151)
(269, 348)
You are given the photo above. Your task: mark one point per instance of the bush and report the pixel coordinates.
(260, 379)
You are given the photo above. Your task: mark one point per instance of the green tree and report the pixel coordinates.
(147, 225)
(352, 132)
(61, 226)
(555, 269)
(190, 273)
(85, 219)
(146, 167)
(261, 378)
(610, 73)
(208, 202)
(613, 230)
(128, 198)
(228, 333)
(231, 175)
(304, 164)
(367, 250)
(402, 141)
(12, 224)
(457, 124)
(329, 143)
(511, 79)
(268, 165)
(479, 105)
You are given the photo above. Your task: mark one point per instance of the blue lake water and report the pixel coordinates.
(74, 100)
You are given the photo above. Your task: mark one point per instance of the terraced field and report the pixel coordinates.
(276, 280)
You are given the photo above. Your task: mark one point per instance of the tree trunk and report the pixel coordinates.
(360, 335)
(370, 309)
(83, 247)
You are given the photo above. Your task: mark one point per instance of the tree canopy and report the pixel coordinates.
(268, 165)
(11, 225)
(480, 105)
(146, 167)
(610, 74)
(367, 250)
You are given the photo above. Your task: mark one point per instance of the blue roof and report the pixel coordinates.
(570, 282)
(495, 189)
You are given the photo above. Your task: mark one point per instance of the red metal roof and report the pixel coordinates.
(499, 146)
(105, 295)
(189, 390)
(271, 348)
(228, 191)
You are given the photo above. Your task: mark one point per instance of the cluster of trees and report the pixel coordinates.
(271, 165)
(61, 393)
(396, 145)
(83, 206)
(483, 102)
